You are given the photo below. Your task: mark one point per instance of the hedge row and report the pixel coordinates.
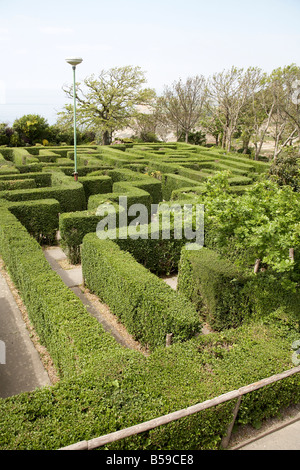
(73, 226)
(138, 180)
(145, 304)
(40, 218)
(11, 184)
(74, 339)
(22, 157)
(41, 179)
(68, 193)
(104, 388)
(170, 182)
(96, 185)
(160, 254)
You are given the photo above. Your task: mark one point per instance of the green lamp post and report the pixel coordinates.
(74, 61)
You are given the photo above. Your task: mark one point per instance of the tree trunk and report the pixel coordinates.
(224, 139)
(229, 140)
(106, 138)
(246, 145)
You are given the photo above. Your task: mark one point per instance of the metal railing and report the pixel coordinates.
(154, 423)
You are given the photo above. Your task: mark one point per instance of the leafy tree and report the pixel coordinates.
(107, 103)
(5, 134)
(146, 125)
(59, 133)
(31, 128)
(262, 224)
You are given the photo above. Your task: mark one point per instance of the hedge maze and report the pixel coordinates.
(103, 386)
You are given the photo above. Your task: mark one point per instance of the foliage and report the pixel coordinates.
(194, 137)
(263, 222)
(68, 193)
(105, 387)
(286, 169)
(31, 128)
(6, 134)
(40, 218)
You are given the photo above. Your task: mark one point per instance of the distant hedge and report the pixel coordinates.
(170, 182)
(96, 185)
(41, 179)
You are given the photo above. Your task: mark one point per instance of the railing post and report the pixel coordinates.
(169, 339)
(226, 439)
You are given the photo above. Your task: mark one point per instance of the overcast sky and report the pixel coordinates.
(168, 39)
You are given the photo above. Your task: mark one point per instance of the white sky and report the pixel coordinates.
(168, 39)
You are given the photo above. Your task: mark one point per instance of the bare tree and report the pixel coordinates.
(180, 106)
(229, 92)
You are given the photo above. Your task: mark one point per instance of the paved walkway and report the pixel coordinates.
(73, 279)
(21, 369)
(283, 437)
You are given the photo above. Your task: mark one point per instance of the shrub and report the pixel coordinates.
(151, 250)
(73, 226)
(41, 179)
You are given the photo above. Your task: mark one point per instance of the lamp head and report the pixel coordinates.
(74, 61)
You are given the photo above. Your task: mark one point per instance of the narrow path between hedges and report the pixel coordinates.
(72, 276)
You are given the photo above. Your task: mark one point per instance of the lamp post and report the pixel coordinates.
(74, 61)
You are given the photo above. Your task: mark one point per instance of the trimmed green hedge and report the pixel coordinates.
(105, 387)
(146, 305)
(124, 389)
(215, 286)
(134, 196)
(68, 193)
(96, 185)
(40, 218)
(10, 185)
(170, 182)
(73, 226)
(41, 179)
(160, 255)
(137, 180)
(22, 157)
